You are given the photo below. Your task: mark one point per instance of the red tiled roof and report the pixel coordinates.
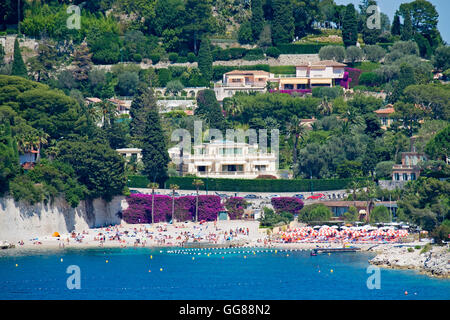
(385, 111)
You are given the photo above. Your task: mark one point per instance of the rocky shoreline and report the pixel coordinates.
(434, 262)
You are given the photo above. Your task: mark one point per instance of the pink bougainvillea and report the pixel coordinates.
(235, 207)
(287, 204)
(140, 208)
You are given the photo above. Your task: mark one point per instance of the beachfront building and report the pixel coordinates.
(242, 81)
(326, 73)
(338, 208)
(385, 116)
(225, 159)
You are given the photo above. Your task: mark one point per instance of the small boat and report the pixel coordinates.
(314, 252)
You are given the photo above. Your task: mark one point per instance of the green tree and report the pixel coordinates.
(98, 167)
(407, 29)
(351, 215)
(315, 213)
(205, 59)
(245, 34)
(283, 22)
(18, 66)
(82, 62)
(396, 26)
(154, 150)
(438, 147)
(354, 54)
(142, 103)
(441, 59)
(9, 157)
(350, 26)
(380, 214)
(208, 108)
(336, 53)
(42, 65)
(257, 19)
(199, 20)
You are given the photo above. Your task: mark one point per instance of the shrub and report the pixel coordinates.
(271, 218)
(374, 53)
(137, 57)
(336, 53)
(173, 57)
(273, 52)
(140, 208)
(155, 58)
(370, 79)
(191, 57)
(410, 249)
(287, 204)
(327, 92)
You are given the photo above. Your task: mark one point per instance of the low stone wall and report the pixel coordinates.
(20, 221)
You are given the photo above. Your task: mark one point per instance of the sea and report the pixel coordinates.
(199, 274)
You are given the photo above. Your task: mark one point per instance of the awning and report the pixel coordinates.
(256, 163)
(205, 163)
(294, 81)
(233, 162)
(236, 77)
(320, 81)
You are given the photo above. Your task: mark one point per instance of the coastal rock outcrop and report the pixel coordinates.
(20, 221)
(434, 262)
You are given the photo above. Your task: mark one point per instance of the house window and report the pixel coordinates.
(396, 176)
(260, 167)
(233, 168)
(288, 86)
(413, 176)
(405, 177)
(201, 168)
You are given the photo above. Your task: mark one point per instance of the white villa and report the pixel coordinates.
(226, 159)
(326, 73)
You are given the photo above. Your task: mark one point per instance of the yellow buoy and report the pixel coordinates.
(17, 265)
(161, 269)
(193, 258)
(62, 260)
(245, 257)
(151, 257)
(106, 261)
(329, 253)
(275, 251)
(331, 270)
(287, 255)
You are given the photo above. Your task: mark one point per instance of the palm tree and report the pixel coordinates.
(108, 112)
(197, 183)
(325, 107)
(232, 106)
(296, 130)
(370, 193)
(153, 186)
(174, 187)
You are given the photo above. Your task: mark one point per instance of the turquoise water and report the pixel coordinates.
(218, 276)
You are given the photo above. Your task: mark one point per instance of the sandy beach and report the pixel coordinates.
(231, 233)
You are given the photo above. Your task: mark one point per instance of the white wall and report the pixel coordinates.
(20, 221)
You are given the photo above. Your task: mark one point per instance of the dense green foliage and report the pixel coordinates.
(315, 213)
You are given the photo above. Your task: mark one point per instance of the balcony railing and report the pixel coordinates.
(241, 85)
